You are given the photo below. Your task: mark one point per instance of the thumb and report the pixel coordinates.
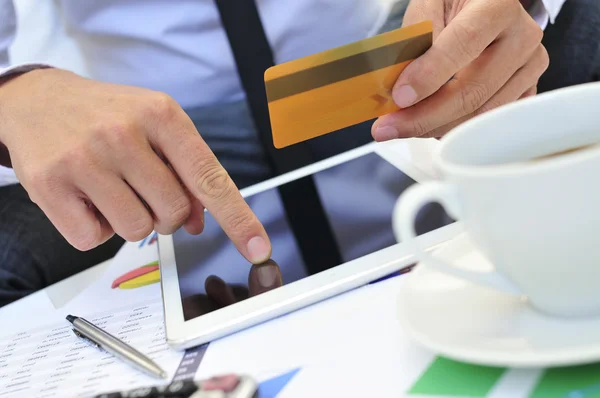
(403, 93)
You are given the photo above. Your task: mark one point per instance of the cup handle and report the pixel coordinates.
(405, 214)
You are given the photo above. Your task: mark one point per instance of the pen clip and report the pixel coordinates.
(84, 337)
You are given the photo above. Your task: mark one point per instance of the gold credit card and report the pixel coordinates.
(334, 89)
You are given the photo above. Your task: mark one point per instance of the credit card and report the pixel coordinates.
(334, 89)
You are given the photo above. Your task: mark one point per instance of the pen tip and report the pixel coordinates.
(70, 318)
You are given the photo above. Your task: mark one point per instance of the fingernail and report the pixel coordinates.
(267, 275)
(258, 250)
(385, 133)
(404, 96)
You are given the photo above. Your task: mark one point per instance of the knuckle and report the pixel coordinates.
(77, 159)
(533, 91)
(530, 35)
(34, 178)
(507, 9)
(472, 97)
(74, 160)
(177, 213)
(467, 39)
(241, 222)
(530, 92)
(425, 72)
(528, 31)
(139, 228)
(488, 106)
(40, 183)
(213, 181)
(537, 33)
(511, 8)
(419, 127)
(543, 58)
(162, 106)
(439, 132)
(119, 135)
(86, 240)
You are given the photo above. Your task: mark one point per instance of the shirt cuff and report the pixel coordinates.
(12, 70)
(7, 176)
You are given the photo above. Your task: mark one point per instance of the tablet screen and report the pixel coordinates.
(358, 197)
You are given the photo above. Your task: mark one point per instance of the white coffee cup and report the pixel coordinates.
(537, 222)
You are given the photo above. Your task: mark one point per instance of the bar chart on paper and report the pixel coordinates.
(445, 378)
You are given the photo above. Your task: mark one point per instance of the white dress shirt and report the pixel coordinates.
(179, 46)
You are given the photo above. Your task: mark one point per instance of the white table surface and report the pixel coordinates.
(264, 353)
(64, 291)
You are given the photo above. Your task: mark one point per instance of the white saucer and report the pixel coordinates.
(469, 323)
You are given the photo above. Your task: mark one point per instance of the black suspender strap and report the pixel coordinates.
(305, 213)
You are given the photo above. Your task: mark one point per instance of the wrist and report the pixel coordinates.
(4, 114)
(7, 97)
(4, 154)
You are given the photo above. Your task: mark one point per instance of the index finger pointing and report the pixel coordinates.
(205, 178)
(215, 189)
(464, 39)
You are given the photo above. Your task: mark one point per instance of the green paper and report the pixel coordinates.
(569, 382)
(447, 378)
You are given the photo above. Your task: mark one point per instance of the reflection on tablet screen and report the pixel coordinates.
(358, 197)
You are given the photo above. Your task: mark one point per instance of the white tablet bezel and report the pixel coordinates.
(183, 334)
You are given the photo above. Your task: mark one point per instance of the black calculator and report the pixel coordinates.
(226, 386)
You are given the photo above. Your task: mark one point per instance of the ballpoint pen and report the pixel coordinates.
(115, 346)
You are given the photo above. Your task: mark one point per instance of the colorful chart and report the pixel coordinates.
(142, 276)
(574, 382)
(447, 378)
(272, 387)
(148, 240)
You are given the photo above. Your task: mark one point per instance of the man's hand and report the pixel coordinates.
(485, 53)
(101, 158)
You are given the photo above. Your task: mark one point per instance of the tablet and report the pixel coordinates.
(358, 190)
